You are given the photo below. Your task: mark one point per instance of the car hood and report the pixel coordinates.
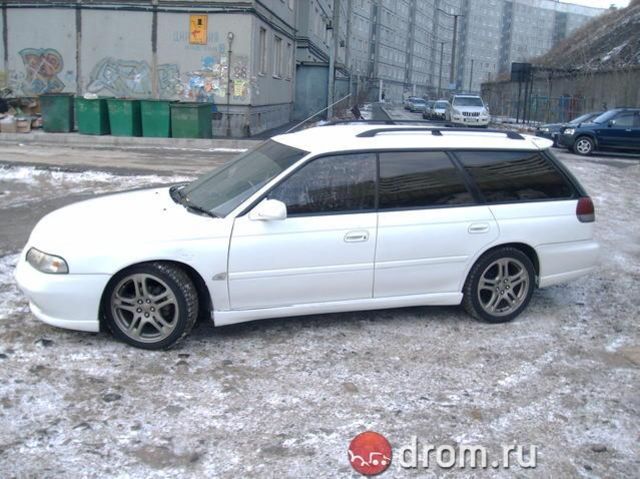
(553, 126)
(588, 126)
(142, 216)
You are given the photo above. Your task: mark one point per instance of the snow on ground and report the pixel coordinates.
(283, 397)
(21, 185)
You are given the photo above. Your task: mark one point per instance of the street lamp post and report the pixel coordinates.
(440, 70)
(453, 43)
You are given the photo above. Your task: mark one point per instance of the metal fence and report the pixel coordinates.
(544, 109)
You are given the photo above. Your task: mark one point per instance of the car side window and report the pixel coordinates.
(420, 179)
(505, 176)
(331, 184)
(624, 120)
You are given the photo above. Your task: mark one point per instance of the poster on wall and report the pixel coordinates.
(198, 29)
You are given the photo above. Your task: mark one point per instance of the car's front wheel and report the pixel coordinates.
(151, 305)
(499, 285)
(583, 145)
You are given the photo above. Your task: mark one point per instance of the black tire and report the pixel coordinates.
(583, 146)
(474, 295)
(183, 306)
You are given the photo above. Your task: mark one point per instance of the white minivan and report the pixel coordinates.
(329, 219)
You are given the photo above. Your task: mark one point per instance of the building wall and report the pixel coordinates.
(105, 50)
(116, 53)
(40, 58)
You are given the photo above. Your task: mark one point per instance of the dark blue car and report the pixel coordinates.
(617, 129)
(552, 130)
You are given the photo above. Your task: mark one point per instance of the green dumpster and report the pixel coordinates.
(92, 116)
(57, 112)
(124, 117)
(191, 120)
(156, 118)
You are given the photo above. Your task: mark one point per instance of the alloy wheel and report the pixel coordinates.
(583, 146)
(503, 286)
(144, 308)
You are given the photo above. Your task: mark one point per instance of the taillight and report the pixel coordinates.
(585, 210)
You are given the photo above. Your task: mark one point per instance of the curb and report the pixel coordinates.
(94, 141)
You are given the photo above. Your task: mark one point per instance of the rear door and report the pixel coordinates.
(429, 225)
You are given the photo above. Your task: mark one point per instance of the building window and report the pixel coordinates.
(263, 51)
(277, 56)
(289, 60)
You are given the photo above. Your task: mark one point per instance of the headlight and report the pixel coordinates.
(46, 263)
(569, 131)
(546, 130)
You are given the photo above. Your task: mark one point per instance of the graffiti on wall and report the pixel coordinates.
(121, 78)
(42, 67)
(168, 80)
(132, 78)
(210, 81)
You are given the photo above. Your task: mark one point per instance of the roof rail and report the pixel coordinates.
(436, 131)
(375, 122)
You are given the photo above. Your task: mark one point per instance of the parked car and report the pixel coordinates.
(439, 110)
(617, 129)
(552, 130)
(417, 105)
(407, 102)
(467, 110)
(328, 219)
(427, 114)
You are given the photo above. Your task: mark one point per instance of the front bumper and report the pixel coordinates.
(470, 120)
(70, 301)
(566, 140)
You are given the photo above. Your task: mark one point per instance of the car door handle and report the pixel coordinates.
(356, 236)
(477, 228)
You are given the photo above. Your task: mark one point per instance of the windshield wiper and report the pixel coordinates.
(176, 193)
(179, 197)
(199, 209)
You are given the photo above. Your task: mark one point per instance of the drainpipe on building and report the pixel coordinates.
(230, 38)
(333, 53)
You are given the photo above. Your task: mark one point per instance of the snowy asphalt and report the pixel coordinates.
(283, 397)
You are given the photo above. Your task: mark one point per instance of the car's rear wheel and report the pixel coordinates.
(499, 286)
(151, 305)
(583, 145)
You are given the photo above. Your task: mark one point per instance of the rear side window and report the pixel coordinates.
(420, 179)
(331, 184)
(504, 176)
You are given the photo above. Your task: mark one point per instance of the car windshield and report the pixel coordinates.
(441, 104)
(583, 118)
(223, 190)
(605, 117)
(467, 101)
(422, 102)
(431, 103)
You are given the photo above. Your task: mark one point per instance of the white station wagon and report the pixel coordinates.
(336, 218)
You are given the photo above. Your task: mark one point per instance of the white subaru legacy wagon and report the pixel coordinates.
(335, 218)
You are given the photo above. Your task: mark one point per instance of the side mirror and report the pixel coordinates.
(269, 210)
(612, 123)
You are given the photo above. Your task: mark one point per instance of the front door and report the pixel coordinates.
(323, 251)
(619, 132)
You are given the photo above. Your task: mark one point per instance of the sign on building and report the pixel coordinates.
(198, 29)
